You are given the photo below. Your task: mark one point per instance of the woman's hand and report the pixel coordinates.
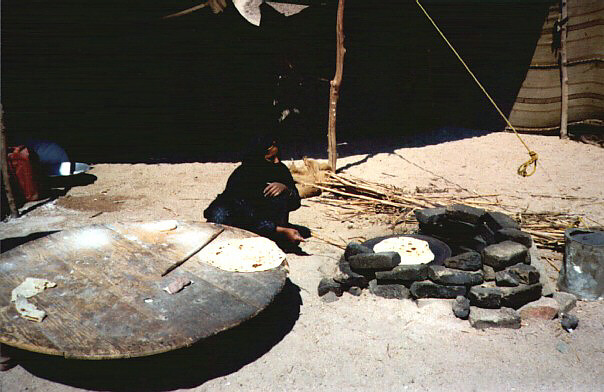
(292, 235)
(274, 189)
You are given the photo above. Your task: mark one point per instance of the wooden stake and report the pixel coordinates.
(4, 152)
(563, 71)
(334, 90)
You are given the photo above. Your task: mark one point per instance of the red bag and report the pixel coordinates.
(22, 174)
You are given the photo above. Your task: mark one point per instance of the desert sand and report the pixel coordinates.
(301, 343)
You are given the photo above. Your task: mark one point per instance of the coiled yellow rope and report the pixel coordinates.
(523, 170)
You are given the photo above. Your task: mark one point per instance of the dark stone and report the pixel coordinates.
(430, 216)
(494, 318)
(374, 261)
(354, 248)
(461, 307)
(516, 297)
(468, 261)
(464, 213)
(477, 243)
(390, 291)
(458, 230)
(403, 273)
(485, 297)
(427, 289)
(506, 279)
(569, 321)
(327, 285)
(489, 273)
(356, 291)
(497, 221)
(448, 276)
(348, 278)
(526, 274)
(504, 254)
(486, 233)
(510, 234)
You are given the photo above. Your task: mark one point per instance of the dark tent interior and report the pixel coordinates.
(112, 81)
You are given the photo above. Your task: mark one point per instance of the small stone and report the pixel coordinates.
(516, 297)
(542, 309)
(569, 322)
(489, 273)
(566, 301)
(403, 273)
(510, 234)
(330, 297)
(485, 297)
(526, 274)
(354, 248)
(448, 276)
(506, 279)
(461, 307)
(356, 291)
(497, 221)
(494, 318)
(390, 291)
(327, 285)
(374, 261)
(465, 213)
(562, 347)
(504, 254)
(427, 289)
(430, 215)
(348, 278)
(468, 261)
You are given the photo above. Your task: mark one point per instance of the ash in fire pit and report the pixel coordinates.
(478, 255)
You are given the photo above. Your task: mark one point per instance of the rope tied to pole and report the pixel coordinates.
(523, 169)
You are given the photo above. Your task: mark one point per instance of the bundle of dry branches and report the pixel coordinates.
(353, 197)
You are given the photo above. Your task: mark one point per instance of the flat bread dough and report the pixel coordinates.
(411, 250)
(245, 255)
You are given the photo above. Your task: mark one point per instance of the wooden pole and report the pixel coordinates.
(334, 90)
(563, 71)
(3, 151)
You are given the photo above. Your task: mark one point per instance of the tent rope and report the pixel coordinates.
(523, 170)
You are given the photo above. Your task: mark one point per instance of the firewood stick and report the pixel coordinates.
(193, 252)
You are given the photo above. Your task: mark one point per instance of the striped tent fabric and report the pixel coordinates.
(538, 104)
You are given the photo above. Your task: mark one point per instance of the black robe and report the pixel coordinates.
(243, 204)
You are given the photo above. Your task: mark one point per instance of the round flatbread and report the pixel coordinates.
(245, 255)
(411, 250)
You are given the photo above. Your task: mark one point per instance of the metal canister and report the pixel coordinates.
(582, 272)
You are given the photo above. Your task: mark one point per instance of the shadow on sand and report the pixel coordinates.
(210, 358)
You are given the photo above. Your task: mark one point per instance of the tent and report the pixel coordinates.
(538, 106)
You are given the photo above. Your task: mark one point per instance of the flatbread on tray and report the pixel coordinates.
(411, 250)
(245, 255)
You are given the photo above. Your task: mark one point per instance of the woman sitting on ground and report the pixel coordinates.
(259, 195)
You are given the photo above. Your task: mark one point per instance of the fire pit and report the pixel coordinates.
(481, 259)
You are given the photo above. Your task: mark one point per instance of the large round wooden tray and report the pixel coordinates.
(110, 302)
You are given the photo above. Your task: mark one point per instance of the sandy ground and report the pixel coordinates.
(301, 343)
